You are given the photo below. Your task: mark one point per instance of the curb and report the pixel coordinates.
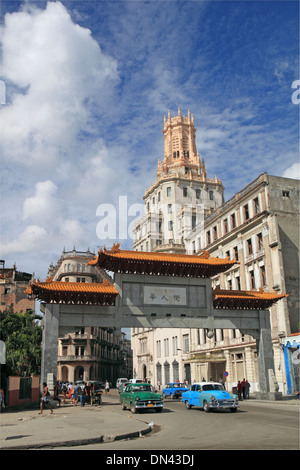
(82, 442)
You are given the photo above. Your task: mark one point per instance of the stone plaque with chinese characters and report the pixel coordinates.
(160, 295)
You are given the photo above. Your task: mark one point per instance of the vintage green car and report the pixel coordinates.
(141, 397)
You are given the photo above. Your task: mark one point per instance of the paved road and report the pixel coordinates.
(255, 426)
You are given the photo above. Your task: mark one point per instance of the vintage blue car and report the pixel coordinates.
(209, 396)
(174, 390)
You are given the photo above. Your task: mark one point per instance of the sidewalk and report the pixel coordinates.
(70, 425)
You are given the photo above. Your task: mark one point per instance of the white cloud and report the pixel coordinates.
(293, 171)
(64, 74)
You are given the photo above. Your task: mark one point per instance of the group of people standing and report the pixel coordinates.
(243, 389)
(75, 392)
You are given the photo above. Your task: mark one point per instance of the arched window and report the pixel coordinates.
(167, 372)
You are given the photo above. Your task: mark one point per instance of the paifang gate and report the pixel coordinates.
(157, 290)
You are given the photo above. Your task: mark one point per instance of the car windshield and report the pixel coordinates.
(142, 388)
(178, 385)
(212, 387)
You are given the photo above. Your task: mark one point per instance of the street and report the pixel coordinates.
(255, 426)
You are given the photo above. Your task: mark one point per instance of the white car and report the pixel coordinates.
(121, 381)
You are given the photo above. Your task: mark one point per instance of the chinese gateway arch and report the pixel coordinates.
(157, 290)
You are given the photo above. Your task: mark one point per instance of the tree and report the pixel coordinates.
(22, 335)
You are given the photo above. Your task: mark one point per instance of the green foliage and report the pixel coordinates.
(22, 335)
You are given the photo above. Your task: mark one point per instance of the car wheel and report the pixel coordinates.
(132, 408)
(187, 405)
(205, 406)
(123, 406)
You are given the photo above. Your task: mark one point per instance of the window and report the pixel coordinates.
(249, 246)
(170, 224)
(158, 348)
(211, 195)
(158, 372)
(175, 365)
(186, 343)
(167, 372)
(198, 193)
(175, 345)
(168, 191)
(256, 206)
(236, 253)
(233, 221)
(225, 225)
(184, 192)
(246, 212)
(158, 197)
(215, 233)
(208, 237)
(153, 200)
(79, 351)
(252, 279)
(169, 208)
(193, 221)
(260, 244)
(238, 282)
(166, 346)
(263, 276)
(285, 194)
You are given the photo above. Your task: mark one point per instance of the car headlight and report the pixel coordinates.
(212, 398)
(137, 399)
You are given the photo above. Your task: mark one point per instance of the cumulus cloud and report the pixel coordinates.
(293, 171)
(61, 74)
(59, 84)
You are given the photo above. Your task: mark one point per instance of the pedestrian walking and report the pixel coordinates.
(64, 391)
(81, 397)
(70, 392)
(2, 405)
(239, 389)
(55, 395)
(75, 394)
(243, 388)
(88, 393)
(45, 399)
(247, 390)
(106, 387)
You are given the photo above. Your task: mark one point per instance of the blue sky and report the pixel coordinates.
(88, 83)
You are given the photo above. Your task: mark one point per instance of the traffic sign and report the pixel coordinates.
(226, 374)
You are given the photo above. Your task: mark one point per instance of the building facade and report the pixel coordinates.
(259, 227)
(13, 284)
(90, 353)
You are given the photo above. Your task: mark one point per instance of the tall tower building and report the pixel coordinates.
(181, 196)
(176, 205)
